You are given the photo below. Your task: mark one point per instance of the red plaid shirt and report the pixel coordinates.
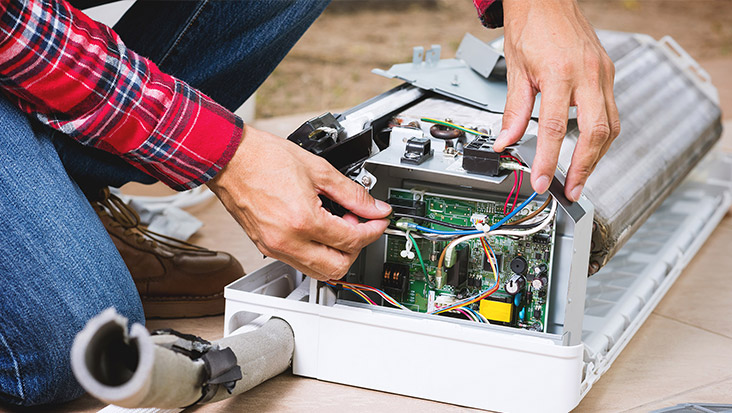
(77, 76)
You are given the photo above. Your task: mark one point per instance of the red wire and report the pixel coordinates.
(513, 158)
(518, 189)
(513, 188)
(517, 181)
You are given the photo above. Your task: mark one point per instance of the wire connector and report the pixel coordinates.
(514, 166)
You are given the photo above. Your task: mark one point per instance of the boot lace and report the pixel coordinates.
(126, 217)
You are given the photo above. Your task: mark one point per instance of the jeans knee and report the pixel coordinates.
(37, 375)
(35, 355)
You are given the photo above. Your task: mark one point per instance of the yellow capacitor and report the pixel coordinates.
(496, 310)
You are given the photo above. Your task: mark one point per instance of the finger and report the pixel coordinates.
(516, 115)
(613, 116)
(349, 237)
(350, 195)
(554, 111)
(350, 218)
(594, 129)
(320, 261)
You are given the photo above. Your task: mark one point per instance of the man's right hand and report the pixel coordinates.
(271, 187)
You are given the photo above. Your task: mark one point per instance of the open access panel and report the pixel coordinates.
(477, 277)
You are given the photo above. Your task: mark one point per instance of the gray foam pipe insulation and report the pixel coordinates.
(167, 369)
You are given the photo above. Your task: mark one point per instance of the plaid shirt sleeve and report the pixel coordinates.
(77, 76)
(490, 12)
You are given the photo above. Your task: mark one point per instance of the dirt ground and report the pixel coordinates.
(330, 67)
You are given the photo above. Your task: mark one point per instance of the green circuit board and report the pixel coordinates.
(527, 257)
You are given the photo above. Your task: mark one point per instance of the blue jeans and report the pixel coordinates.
(58, 266)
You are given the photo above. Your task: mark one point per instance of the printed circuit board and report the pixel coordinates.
(524, 264)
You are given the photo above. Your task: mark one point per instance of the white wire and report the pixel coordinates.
(415, 234)
(521, 233)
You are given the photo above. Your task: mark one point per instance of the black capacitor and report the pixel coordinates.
(515, 284)
(519, 265)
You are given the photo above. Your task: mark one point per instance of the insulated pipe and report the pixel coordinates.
(139, 370)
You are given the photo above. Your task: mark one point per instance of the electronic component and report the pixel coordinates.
(541, 238)
(444, 132)
(487, 264)
(479, 157)
(394, 279)
(498, 309)
(458, 273)
(407, 206)
(519, 265)
(318, 134)
(417, 151)
(515, 284)
(539, 283)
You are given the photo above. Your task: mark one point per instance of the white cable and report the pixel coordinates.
(522, 233)
(416, 234)
(514, 166)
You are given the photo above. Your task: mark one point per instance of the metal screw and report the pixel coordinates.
(366, 180)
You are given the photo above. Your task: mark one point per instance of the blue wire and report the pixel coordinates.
(441, 232)
(476, 231)
(514, 212)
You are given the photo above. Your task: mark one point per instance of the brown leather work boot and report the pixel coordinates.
(174, 278)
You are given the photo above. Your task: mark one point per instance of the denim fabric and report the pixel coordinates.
(59, 267)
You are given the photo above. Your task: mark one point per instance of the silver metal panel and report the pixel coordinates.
(477, 55)
(454, 78)
(439, 166)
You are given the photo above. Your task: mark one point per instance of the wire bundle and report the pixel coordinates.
(518, 180)
(359, 289)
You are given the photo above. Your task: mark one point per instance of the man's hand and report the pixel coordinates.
(271, 187)
(551, 48)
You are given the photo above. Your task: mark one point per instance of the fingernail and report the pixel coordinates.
(382, 206)
(576, 192)
(541, 184)
(500, 138)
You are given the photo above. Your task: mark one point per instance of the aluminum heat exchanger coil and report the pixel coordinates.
(669, 119)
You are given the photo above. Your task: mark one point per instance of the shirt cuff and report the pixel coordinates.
(490, 12)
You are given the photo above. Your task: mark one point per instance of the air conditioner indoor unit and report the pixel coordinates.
(554, 292)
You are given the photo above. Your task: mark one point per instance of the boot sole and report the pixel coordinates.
(183, 307)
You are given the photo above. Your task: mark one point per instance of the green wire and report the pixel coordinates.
(452, 125)
(421, 261)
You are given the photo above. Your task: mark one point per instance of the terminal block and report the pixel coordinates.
(480, 158)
